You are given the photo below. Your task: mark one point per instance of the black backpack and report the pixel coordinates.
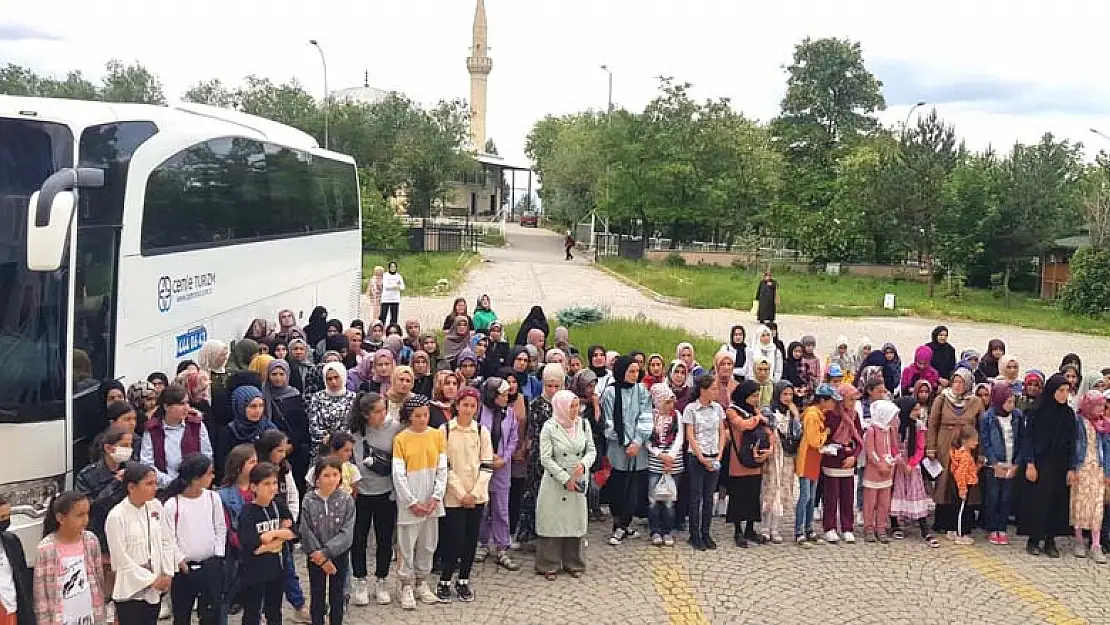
(757, 438)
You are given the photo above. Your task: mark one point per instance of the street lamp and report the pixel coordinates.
(324, 62)
(1100, 133)
(610, 72)
(906, 123)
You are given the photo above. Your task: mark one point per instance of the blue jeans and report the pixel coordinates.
(661, 514)
(703, 483)
(996, 502)
(803, 512)
(291, 584)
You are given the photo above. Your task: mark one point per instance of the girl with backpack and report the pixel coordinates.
(749, 446)
(196, 518)
(777, 490)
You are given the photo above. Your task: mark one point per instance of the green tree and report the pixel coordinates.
(570, 151)
(969, 197)
(130, 83)
(830, 102)
(213, 93)
(1039, 197)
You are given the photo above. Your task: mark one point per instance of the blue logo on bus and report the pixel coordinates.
(191, 340)
(165, 293)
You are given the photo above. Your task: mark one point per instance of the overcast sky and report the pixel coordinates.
(1001, 71)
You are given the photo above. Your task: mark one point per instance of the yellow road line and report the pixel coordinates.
(679, 602)
(1045, 606)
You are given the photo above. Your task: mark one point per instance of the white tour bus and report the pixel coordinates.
(129, 234)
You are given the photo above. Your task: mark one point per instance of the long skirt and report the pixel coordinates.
(1046, 502)
(909, 501)
(743, 498)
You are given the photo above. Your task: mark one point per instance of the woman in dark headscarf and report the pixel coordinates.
(584, 385)
(242, 352)
(333, 328)
(988, 364)
(1051, 443)
(792, 365)
(944, 355)
(317, 328)
(285, 406)
(626, 405)
(536, 320)
(246, 425)
(529, 386)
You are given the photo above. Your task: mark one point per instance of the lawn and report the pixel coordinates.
(624, 335)
(708, 286)
(422, 270)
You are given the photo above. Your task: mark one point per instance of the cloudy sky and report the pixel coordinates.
(1001, 71)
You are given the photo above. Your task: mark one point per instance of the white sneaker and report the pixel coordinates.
(849, 538)
(381, 593)
(426, 594)
(481, 553)
(166, 610)
(832, 537)
(408, 602)
(360, 591)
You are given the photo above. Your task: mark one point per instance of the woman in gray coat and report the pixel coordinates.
(566, 453)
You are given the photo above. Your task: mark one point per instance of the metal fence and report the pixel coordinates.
(443, 238)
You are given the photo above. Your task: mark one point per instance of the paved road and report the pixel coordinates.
(531, 270)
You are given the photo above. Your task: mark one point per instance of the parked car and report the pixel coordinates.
(528, 219)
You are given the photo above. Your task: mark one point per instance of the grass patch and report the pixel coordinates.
(421, 271)
(624, 335)
(707, 286)
(492, 238)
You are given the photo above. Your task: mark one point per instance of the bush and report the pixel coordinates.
(674, 259)
(579, 316)
(1088, 289)
(382, 228)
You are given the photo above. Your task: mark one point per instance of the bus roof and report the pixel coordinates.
(82, 113)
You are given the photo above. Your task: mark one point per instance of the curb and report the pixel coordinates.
(658, 297)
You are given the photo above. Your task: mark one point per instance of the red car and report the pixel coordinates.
(529, 220)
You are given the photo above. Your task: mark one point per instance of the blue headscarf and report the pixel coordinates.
(242, 429)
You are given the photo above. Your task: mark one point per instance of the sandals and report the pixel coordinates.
(932, 541)
(506, 562)
(549, 576)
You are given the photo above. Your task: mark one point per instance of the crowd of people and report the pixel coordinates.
(457, 449)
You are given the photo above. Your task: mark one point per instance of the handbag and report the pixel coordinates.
(665, 490)
(379, 462)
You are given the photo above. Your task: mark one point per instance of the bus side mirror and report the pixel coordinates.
(50, 212)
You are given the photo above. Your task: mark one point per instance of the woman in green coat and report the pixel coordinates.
(566, 453)
(483, 315)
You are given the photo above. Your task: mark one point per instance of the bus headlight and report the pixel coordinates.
(31, 498)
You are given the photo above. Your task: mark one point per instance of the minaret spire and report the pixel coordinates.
(479, 65)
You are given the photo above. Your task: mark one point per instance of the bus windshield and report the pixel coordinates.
(32, 304)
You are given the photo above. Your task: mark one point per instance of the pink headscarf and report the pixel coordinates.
(1087, 404)
(561, 407)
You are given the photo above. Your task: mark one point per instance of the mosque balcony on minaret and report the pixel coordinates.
(479, 64)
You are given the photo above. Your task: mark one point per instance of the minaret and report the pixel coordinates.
(479, 65)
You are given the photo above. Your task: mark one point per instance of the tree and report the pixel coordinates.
(213, 93)
(572, 164)
(130, 83)
(830, 102)
(1038, 194)
(490, 147)
(968, 197)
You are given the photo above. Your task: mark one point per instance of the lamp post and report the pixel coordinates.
(324, 63)
(1100, 133)
(906, 123)
(610, 72)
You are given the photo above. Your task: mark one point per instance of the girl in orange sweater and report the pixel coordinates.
(965, 473)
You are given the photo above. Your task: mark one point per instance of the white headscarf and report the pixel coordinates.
(883, 414)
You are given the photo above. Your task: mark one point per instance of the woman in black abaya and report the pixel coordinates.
(1051, 442)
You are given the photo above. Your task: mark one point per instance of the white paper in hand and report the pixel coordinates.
(933, 466)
